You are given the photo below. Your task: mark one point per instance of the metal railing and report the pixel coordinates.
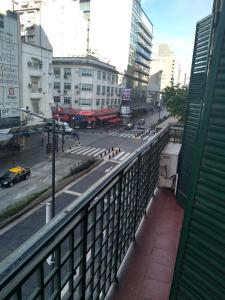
(86, 243)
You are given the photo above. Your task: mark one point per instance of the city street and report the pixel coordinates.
(93, 143)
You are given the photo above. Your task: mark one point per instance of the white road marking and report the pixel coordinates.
(107, 170)
(146, 137)
(96, 154)
(125, 156)
(121, 153)
(72, 193)
(90, 150)
(77, 149)
(85, 148)
(91, 153)
(122, 134)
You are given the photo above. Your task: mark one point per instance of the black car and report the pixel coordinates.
(14, 175)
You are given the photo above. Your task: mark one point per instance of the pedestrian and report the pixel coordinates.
(78, 136)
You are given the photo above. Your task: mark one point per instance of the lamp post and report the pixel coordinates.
(50, 206)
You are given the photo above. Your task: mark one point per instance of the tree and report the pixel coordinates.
(175, 100)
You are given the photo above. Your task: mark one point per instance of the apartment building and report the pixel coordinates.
(37, 79)
(165, 62)
(85, 83)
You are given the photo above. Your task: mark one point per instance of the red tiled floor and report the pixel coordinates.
(147, 271)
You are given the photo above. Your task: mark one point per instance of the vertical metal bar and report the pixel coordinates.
(53, 168)
(85, 229)
(71, 266)
(137, 197)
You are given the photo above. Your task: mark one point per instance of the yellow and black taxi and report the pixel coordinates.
(14, 175)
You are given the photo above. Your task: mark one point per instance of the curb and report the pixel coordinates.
(59, 185)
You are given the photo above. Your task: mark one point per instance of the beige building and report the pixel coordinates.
(165, 62)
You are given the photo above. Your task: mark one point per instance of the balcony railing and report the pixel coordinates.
(86, 243)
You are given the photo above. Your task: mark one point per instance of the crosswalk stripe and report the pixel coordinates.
(96, 154)
(88, 151)
(92, 152)
(122, 134)
(120, 154)
(77, 149)
(125, 156)
(146, 137)
(129, 135)
(81, 150)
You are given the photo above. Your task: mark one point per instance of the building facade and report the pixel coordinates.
(165, 62)
(37, 79)
(85, 83)
(10, 63)
(57, 24)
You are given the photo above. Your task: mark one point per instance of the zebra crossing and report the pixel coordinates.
(96, 152)
(130, 135)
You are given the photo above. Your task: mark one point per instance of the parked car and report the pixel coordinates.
(14, 175)
(59, 127)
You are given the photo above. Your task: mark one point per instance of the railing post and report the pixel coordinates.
(85, 228)
(118, 227)
(137, 197)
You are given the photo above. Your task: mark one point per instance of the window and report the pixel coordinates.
(108, 90)
(119, 91)
(67, 72)
(67, 86)
(111, 102)
(98, 89)
(86, 87)
(104, 76)
(56, 99)
(107, 101)
(113, 79)
(115, 101)
(116, 91)
(57, 85)
(103, 90)
(103, 102)
(97, 102)
(108, 77)
(67, 100)
(57, 72)
(86, 72)
(99, 75)
(112, 91)
(85, 102)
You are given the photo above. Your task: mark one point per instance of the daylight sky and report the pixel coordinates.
(174, 23)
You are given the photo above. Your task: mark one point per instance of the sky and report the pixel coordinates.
(174, 23)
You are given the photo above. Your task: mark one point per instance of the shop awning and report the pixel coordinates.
(115, 120)
(106, 117)
(90, 118)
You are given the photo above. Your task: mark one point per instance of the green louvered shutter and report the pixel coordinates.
(195, 99)
(200, 265)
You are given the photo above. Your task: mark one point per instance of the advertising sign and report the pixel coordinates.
(126, 94)
(9, 67)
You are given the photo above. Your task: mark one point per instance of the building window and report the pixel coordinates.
(113, 79)
(108, 90)
(115, 101)
(119, 91)
(86, 72)
(67, 86)
(98, 89)
(104, 76)
(67, 72)
(111, 102)
(57, 72)
(85, 102)
(86, 87)
(56, 99)
(103, 90)
(99, 75)
(57, 85)
(67, 100)
(108, 77)
(116, 91)
(103, 102)
(97, 102)
(112, 91)
(107, 101)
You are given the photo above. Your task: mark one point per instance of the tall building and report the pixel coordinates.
(121, 33)
(57, 24)
(165, 62)
(10, 72)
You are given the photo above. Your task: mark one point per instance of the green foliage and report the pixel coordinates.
(175, 100)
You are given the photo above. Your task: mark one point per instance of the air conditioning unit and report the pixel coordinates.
(29, 64)
(29, 85)
(168, 165)
(76, 87)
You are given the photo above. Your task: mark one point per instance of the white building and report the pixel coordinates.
(165, 62)
(37, 79)
(53, 22)
(153, 90)
(10, 62)
(85, 83)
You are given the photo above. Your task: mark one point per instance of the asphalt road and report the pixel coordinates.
(92, 142)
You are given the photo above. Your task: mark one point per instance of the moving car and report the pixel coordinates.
(130, 126)
(60, 127)
(14, 175)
